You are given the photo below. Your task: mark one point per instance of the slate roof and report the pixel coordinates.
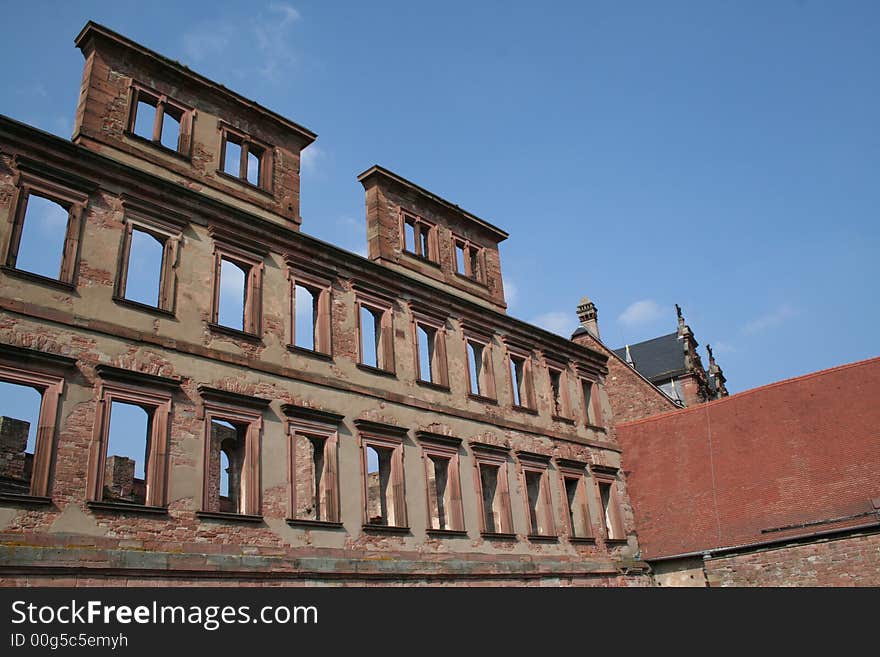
(658, 358)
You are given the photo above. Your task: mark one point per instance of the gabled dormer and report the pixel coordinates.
(411, 228)
(148, 111)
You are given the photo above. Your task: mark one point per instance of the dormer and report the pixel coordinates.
(153, 113)
(408, 227)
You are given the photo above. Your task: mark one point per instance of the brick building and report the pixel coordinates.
(350, 420)
(772, 486)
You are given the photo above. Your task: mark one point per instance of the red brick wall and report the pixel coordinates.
(850, 561)
(804, 450)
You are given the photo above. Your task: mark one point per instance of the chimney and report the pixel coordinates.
(588, 315)
(717, 375)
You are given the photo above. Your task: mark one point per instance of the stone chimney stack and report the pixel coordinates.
(588, 315)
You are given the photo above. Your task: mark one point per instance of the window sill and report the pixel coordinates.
(310, 353)
(224, 515)
(482, 400)
(497, 536)
(589, 540)
(159, 146)
(30, 500)
(447, 533)
(376, 370)
(126, 507)
(385, 529)
(418, 258)
(524, 409)
(563, 419)
(542, 538)
(235, 333)
(318, 524)
(615, 541)
(247, 184)
(137, 305)
(596, 427)
(472, 281)
(38, 278)
(432, 386)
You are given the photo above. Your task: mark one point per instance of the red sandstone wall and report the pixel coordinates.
(631, 397)
(800, 451)
(851, 561)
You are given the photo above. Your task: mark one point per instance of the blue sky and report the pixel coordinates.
(723, 156)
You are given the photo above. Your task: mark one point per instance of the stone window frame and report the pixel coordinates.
(444, 447)
(384, 436)
(45, 373)
(325, 425)
(539, 464)
(439, 370)
(497, 457)
(321, 290)
(385, 361)
(166, 226)
(592, 409)
(571, 469)
(560, 407)
(182, 113)
(33, 178)
(248, 144)
(253, 264)
(472, 253)
(154, 395)
(420, 226)
(613, 528)
(487, 390)
(528, 403)
(237, 409)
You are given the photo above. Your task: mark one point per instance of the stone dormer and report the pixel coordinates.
(148, 111)
(411, 228)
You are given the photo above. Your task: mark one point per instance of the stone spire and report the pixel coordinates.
(588, 315)
(717, 375)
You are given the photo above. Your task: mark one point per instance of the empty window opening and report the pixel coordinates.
(475, 366)
(491, 498)
(41, 246)
(518, 381)
(425, 248)
(537, 497)
(606, 495)
(170, 137)
(426, 337)
(306, 318)
(226, 461)
(557, 392)
(19, 419)
(380, 489)
(253, 167)
(578, 517)
(144, 273)
(371, 330)
(311, 478)
(473, 257)
(439, 492)
(128, 449)
(233, 295)
(592, 412)
(460, 258)
(144, 119)
(409, 237)
(232, 160)
(417, 237)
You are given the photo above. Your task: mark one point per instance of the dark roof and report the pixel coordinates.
(658, 358)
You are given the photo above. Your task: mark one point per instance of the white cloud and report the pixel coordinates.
(770, 320)
(309, 159)
(263, 42)
(722, 347)
(511, 293)
(641, 312)
(556, 322)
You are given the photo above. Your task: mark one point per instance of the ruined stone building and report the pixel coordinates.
(221, 398)
(352, 420)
